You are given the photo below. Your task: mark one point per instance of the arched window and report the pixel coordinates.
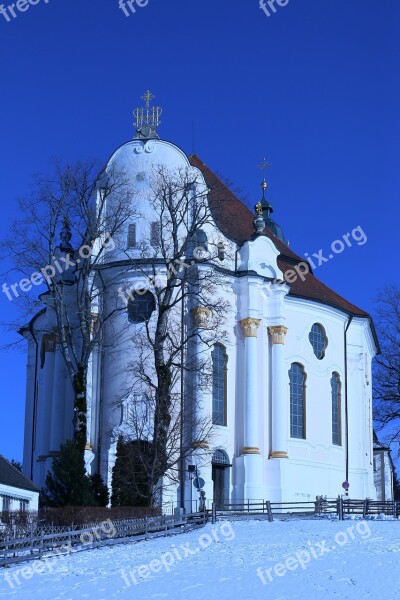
(297, 379)
(336, 410)
(199, 246)
(220, 457)
(140, 306)
(318, 340)
(155, 234)
(132, 235)
(219, 381)
(201, 239)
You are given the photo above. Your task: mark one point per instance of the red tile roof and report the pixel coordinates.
(235, 221)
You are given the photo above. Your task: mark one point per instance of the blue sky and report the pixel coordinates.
(314, 87)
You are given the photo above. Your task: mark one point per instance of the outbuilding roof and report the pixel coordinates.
(10, 475)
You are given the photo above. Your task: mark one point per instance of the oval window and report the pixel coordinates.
(318, 340)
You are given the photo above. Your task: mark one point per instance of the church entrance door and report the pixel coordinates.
(220, 477)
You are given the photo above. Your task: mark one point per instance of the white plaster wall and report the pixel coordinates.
(17, 494)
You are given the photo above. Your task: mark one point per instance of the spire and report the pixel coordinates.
(147, 118)
(266, 206)
(264, 209)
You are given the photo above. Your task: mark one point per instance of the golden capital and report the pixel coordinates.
(277, 333)
(201, 315)
(278, 454)
(250, 326)
(250, 450)
(200, 445)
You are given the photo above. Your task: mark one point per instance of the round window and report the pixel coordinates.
(141, 306)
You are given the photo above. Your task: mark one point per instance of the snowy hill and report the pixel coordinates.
(290, 560)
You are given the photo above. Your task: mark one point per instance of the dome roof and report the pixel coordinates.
(267, 210)
(275, 229)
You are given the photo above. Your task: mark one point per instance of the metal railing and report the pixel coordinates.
(43, 545)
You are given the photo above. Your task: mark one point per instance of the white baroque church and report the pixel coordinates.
(291, 396)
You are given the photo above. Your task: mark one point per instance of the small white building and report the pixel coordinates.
(383, 471)
(17, 492)
(290, 400)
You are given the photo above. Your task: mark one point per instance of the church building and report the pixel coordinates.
(290, 394)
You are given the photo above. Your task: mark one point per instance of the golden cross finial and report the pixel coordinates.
(264, 165)
(148, 97)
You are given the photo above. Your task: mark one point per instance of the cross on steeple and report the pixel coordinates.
(148, 97)
(147, 118)
(264, 165)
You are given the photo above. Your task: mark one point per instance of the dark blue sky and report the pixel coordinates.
(314, 88)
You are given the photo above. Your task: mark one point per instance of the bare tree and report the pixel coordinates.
(82, 203)
(88, 208)
(172, 358)
(387, 364)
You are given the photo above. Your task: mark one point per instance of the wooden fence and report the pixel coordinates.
(340, 507)
(61, 543)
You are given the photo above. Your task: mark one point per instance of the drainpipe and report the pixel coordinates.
(182, 458)
(34, 397)
(346, 408)
(100, 384)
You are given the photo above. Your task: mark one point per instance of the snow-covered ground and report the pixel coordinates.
(287, 560)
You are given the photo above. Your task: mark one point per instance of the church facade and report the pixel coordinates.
(290, 399)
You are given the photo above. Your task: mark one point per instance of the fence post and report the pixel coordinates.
(6, 551)
(269, 510)
(340, 509)
(213, 513)
(365, 508)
